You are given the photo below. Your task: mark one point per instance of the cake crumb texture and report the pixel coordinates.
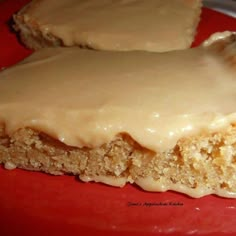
(206, 160)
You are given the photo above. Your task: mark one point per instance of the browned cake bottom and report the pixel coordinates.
(206, 160)
(32, 37)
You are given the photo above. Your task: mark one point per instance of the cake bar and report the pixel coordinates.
(164, 121)
(120, 25)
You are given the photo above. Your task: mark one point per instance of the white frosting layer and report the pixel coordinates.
(85, 98)
(152, 185)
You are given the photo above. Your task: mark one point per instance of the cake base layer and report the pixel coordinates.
(198, 165)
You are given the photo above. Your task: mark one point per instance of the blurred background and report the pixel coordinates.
(226, 6)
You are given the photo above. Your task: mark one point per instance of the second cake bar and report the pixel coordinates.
(121, 25)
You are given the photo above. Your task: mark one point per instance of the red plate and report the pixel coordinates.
(40, 204)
